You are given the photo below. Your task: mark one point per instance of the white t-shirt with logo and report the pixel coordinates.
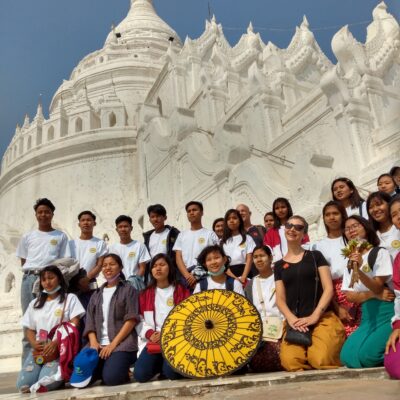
(49, 315)
(391, 241)
(107, 295)
(332, 251)
(158, 242)
(268, 293)
(40, 249)
(164, 303)
(238, 252)
(383, 267)
(211, 284)
(131, 254)
(87, 252)
(191, 243)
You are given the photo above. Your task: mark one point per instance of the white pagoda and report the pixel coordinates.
(149, 119)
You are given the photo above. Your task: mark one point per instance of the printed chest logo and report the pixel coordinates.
(53, 242)
(366, 268)
(131, 254)
(202, 240)
(286, 266)
(92, 250)
(58, 312)
(164, 241)
(170, 302)
(396, 244)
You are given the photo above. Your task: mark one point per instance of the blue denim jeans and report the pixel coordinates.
(26, 297)
(149, 365)
(32, 372)
(26, 290)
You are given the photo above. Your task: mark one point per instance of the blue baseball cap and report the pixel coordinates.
(84, 365)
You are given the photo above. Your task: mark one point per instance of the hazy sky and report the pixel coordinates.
(41, 41)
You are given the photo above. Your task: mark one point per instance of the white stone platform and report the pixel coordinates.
(209, 387)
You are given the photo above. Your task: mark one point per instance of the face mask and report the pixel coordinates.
(218, 273)
(52, 291)
(113, 279)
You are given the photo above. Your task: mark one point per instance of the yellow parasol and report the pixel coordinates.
(212, 333)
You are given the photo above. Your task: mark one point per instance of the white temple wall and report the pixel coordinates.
(73, 187)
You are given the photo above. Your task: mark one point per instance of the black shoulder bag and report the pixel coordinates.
(292, 335)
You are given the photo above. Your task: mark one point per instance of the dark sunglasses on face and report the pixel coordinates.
(297, 227)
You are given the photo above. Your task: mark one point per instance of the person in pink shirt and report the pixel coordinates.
(392, 352)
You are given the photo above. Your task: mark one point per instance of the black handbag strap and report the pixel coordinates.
(316, 280)
(299, 283)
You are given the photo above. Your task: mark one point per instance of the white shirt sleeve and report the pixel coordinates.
(75, 308)
(250, 244)
(27, 320)
(144, 255)
(103, 248)
(383, 264)
(213, 239)
(178, 243)
(22, 249)
(64, 247)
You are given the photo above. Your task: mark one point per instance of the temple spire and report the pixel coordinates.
(39, 111)
(26, 121)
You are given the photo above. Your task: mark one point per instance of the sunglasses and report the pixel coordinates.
(297, 227)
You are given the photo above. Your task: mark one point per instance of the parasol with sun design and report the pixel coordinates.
(212, 333)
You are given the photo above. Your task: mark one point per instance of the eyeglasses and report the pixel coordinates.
(352, 227)
(297, 227)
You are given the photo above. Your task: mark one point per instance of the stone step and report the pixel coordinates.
(197, 388)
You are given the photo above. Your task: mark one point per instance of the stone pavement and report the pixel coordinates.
(362, 384)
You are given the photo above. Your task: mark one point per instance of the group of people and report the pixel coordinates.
(326, 310)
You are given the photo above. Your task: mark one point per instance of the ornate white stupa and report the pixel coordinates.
(148, 119)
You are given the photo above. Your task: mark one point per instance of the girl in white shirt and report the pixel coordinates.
(155, 302)
(387, 184)
(42, 315)
(238, 246)
(214, 260)
(392, 352)
(267, 357)
(365, 347)
(378, 211)
(334, 215)
(345, 192)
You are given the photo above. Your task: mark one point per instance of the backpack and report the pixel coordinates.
(228, 284)
(373, 254)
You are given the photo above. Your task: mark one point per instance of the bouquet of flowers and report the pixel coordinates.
(355, 246)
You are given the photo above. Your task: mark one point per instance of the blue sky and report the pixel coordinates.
(41, 41)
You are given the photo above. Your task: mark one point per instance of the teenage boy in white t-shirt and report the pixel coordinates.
(90, 252)
(162, 238)
(134, 254)
(191, 242)
(87, 249)
(39, 248)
